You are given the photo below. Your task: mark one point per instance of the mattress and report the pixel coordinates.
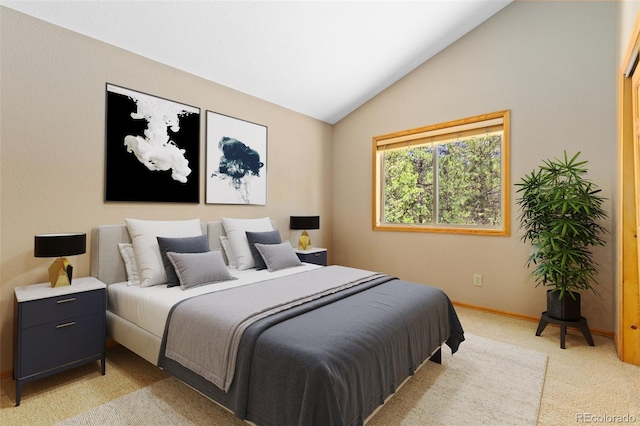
(149, 307)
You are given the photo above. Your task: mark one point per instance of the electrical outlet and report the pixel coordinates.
(477, 280)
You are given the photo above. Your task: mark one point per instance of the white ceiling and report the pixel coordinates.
(323, 59)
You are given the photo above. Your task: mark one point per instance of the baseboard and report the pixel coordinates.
(599, 332)
(5, 373)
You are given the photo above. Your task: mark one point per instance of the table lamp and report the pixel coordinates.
(60, 245)
(304, 223)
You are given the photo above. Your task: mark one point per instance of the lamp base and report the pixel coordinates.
(60, 272)
(304, 242)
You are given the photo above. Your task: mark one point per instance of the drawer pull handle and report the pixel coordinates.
(68, 324)
(72, 299)
(317, 255)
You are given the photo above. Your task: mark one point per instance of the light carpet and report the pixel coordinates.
(485, 382)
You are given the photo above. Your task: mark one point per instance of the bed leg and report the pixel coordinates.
(437, 356)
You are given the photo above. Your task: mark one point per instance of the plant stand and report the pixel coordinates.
(581, 324)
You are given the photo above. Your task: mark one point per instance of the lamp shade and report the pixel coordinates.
(59, 245)
(304, 222)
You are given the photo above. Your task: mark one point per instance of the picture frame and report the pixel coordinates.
(236, 166)
(152, 148)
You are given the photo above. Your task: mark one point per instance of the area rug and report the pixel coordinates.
(486, 382)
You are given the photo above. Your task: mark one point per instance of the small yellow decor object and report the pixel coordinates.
(305, 241)
(58, 272)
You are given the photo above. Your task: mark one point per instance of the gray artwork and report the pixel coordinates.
(236, 161)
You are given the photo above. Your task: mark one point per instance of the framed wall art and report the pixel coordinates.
(236, 161)
(152, 148)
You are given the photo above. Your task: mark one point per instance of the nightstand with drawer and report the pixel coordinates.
(315, 255)
(56, 329)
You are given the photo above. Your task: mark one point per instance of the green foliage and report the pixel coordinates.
(408, 185)
(560, 209)
(467, 186)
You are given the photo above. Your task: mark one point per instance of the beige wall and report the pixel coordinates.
(52, 148)
(553, 64)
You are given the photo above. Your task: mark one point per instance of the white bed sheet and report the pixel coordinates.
(148, 307)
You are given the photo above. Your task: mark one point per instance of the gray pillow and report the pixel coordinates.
(196, 269)
(270, 237)
(278, 256)
(198, 244)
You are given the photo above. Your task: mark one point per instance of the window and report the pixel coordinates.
(450, 177)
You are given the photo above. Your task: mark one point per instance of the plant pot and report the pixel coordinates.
(565, 309)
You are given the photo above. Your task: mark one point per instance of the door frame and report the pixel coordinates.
(627, 336)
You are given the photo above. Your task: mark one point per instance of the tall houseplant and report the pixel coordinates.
(559, 212)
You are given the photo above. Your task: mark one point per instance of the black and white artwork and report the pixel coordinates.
(236, 161)
(152, 148)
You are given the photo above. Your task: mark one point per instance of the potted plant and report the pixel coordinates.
(559, 212)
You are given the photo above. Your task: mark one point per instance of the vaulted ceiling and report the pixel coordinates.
(320, 58)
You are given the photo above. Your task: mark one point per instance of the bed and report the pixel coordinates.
(343, 343)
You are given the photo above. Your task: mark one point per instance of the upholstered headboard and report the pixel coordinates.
(106, 262)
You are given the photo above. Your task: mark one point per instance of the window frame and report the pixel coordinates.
(406, 137)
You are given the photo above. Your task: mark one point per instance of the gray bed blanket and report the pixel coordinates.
(334, 360)
(205, 331)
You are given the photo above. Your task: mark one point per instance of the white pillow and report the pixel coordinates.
(126, 251)
(144, 235)
(228, 251)
(236, 233)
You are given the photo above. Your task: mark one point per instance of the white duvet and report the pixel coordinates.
(148, 307)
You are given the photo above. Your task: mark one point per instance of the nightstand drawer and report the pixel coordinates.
(52, 309)
(59, 343)
(318, 257)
